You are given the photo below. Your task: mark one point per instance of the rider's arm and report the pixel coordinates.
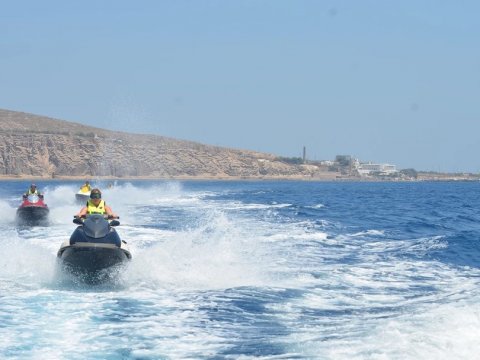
(109, 211)
(82, 212)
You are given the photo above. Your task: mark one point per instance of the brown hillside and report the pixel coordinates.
(32, 145)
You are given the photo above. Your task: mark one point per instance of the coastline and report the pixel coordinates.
(163, 178)
(421, 178)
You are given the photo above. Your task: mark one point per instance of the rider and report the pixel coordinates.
(33, 191)
(86, 187)
(95, 205)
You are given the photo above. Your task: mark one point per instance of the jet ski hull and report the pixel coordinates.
(91, 258)
(32, 215)
(81, 197)
(94, 253)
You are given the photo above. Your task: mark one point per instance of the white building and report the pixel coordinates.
(327, 162)
(382, 169)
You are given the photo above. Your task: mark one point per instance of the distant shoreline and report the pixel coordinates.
(430, 177)
(166, 178)
(37, 148)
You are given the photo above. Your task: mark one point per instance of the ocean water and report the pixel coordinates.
(252, 270)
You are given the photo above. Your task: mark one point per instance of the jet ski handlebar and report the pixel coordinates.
(113, 219)
(106, 217)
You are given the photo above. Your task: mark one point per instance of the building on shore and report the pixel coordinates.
(365, 169)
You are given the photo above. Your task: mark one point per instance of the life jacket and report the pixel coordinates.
(30, 192)
(92, 209)
(85, 188)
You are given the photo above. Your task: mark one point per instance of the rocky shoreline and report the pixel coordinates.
(439, 177)
(37, 147)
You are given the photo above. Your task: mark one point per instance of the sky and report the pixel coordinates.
(383, 81)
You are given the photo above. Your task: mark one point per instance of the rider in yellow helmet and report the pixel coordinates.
(95, 205)
(86, 187)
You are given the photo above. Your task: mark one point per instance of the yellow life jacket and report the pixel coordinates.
(92, 209)
(85, 188)
(30, 192)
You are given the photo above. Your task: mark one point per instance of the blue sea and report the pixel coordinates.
(251, 270)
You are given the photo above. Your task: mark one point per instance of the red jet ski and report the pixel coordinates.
(32, 211)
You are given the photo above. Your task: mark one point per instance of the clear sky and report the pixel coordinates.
(383, 81)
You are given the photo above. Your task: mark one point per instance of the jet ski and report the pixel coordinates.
(82, 196)
(32, 210)
(94, 250)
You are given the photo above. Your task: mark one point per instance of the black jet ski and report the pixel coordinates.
(32, 210)
(94, 249)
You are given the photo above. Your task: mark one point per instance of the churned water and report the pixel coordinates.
(243, 270)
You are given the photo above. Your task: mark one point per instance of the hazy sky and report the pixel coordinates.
(384, 81)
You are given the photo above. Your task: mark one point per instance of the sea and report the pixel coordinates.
(251, 270)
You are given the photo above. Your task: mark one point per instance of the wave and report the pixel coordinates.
(230, 275)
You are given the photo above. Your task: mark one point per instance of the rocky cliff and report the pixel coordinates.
(32, 145)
